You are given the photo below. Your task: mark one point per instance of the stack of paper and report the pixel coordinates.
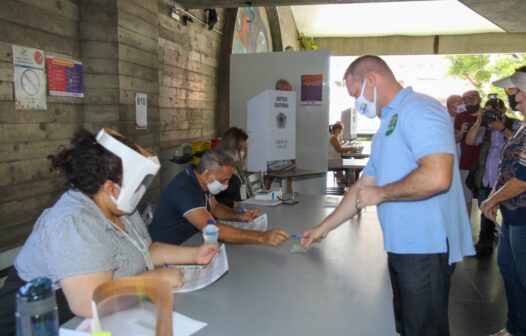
(200, 276)
(259, 223)
(331, 202)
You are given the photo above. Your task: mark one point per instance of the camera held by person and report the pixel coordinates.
(493, 110)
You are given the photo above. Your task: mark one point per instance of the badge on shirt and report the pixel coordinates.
(392, 125)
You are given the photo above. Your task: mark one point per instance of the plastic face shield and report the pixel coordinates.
(138, 171)
(133, 306)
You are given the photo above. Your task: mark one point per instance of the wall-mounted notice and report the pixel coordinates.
(141, 110)
(29, 78)
(64, 76)
(311, 89)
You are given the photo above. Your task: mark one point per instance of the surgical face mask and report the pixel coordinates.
(134, 199)
(460, 108)
(513, 102)
(216, 187)
(472, 108)
(365, 107)
(242, 154)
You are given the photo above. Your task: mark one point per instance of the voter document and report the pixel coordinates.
(260, 223)
(298, 249)
(200, 276)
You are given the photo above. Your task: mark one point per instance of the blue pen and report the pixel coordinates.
(242, 209)
(296, 236)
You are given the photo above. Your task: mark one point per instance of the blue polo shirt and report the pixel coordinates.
(182, 195)
(412, 126)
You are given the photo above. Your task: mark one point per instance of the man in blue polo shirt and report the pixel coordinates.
(413, 178)
(187, 203)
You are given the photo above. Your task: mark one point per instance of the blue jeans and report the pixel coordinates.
(487, 227)
(420, 284)
(512, 265)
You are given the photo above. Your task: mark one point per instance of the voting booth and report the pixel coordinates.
(271, 127)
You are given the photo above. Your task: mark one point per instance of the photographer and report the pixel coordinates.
(492, 129)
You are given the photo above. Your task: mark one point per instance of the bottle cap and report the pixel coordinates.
(210, 222)
(36, 289)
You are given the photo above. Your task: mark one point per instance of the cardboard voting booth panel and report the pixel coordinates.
(271, 126)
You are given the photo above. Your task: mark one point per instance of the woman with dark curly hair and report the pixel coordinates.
(93, 233)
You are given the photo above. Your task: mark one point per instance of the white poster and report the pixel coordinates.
(141, 110)
(29, 78)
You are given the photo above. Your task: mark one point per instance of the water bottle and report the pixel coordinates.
(211, 232)
(36, 309)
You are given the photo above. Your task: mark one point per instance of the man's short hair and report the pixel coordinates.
(213, 160)
(283, 85)
(366, 64)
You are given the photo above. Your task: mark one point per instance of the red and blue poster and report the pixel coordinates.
(64, 77)
(311, 89)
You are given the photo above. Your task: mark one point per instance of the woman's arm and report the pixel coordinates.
(473, 133)
(338, 147)
(79, 289)
(173, 254)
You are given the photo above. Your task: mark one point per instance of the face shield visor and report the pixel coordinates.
(138, 171)
(133, 306)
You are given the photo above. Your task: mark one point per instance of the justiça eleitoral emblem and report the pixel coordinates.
(281, 120)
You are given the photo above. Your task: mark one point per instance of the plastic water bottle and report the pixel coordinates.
(211, 232)
(36, 309)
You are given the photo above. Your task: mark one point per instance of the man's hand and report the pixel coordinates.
(205, 253)
(489, 209)
(274, 237)
(313, 234)
(367, 196)
(248, 215)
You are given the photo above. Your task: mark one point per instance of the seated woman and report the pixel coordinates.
(93, 233)
(235, 143)
(336, 149)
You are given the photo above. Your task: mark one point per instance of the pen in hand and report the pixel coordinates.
(296, 236)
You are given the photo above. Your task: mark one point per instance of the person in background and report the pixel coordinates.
(235, 142)
(281, 85)
(492, 129)
(413, 179)
(188, 202)
(336, 149)
(509, 195)
(93, 233)
(455, 105)
(469, 155)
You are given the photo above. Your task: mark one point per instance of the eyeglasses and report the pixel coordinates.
(470, 97)
(511, 91)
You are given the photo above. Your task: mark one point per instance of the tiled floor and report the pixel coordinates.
(477, 304)
(477, 299)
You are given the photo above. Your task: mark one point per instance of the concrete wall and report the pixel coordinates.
(289, 32)
(28, 136)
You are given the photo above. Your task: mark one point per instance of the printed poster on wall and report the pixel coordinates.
(311, 89)
(141, 110)
(64, 76)
(29, 78)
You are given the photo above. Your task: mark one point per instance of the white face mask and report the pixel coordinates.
(365, 107)
(216, 187)
(134, 199)
(461, 108)
(242, 154)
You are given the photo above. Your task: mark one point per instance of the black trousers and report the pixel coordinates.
(420, 284)
(8, 304)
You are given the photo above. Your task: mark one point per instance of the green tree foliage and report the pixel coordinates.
(481, 70)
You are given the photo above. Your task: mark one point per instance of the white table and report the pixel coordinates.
(339, 287)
